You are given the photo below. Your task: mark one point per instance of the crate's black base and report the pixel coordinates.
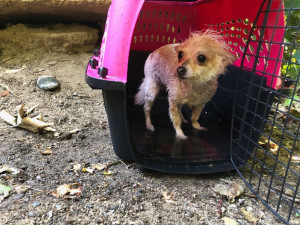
(204, 151)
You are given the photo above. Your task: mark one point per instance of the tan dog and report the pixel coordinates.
(189, 71)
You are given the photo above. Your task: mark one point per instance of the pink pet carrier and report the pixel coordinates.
(136, 28)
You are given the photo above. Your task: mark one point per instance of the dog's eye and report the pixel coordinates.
(180, 54)
(201, 58)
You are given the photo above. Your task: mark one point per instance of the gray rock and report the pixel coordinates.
(58, 207)
(35, 204)
(18, 196)
(47, 83)
(21, 189)
(50, 214)
(32, 214)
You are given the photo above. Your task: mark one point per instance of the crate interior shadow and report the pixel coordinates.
(211, 145)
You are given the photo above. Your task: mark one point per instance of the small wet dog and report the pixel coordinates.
(189, 71)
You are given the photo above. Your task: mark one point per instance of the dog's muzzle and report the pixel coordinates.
(181, 71)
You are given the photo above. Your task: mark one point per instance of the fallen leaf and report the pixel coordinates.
(56, 134)
(8, 118)
(30, 110)
(231, 190)
(295, 112)
(295, 221)
(107, 172)
(89, 170)
(249, 215)
(9, 169)
(229, 221)
(295, 159)
(135, 185)
(47, 151)
(21, 189)
(4, 93)
(99, 166)
(68, 191)
(4, 192)
(14, 70)
(77, 167)
(168, 196)
(23, 120)
(75, 131)
(269, 145)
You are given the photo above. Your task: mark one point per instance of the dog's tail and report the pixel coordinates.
(140, 97)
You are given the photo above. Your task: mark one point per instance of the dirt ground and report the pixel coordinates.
(128, 195)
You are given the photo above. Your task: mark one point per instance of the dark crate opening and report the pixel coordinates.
(208, 149)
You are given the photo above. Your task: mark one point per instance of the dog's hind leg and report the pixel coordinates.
(151, 91)
(147, 109)
(181, 115)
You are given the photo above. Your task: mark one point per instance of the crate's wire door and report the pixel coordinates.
(265, 147)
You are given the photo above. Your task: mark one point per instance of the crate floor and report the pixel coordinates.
(208, 146)
(209, 150)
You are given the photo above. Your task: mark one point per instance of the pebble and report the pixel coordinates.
(50, 213)
(36, 204)
(58, 207)
(47, 83)
(18, 196)
(31, 214)
(21, 189)
(90, 205)
(52, 63)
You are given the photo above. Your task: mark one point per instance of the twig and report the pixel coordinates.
(35, 189)
(7, 88)
(39, 193)
(219, 206)
(174, 181)
(6, 127)
(114, 163)
(287, 196)
(127, 166)
(4, 60)
(249, 195)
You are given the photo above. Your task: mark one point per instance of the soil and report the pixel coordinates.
(129, 195)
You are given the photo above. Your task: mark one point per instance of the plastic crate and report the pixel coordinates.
(136, 28)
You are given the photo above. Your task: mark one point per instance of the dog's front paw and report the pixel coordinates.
(181, 136)
(150, 127)
(197, 126)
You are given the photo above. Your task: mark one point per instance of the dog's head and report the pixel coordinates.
(203, 56)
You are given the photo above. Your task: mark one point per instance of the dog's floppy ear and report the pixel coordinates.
(227, 57)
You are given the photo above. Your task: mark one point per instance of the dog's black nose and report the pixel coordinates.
(181, 70)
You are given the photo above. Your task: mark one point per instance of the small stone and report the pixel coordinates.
(58, 207)
(90, 205)
(47, 83)
(18, 196)
(50, 214)
(52, 63)
(31, 214)
(21, 189)
(36, 204)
